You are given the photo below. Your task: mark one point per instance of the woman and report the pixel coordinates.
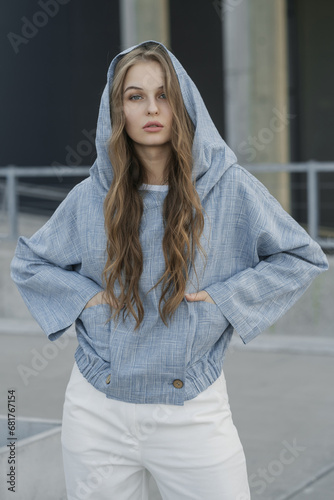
(121, 258)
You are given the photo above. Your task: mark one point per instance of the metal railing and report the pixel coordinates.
(12, 174)
(12, 189)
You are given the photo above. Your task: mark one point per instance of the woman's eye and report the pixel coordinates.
(138, 97)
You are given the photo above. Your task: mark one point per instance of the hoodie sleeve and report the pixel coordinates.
(46, 268)
(285, 261)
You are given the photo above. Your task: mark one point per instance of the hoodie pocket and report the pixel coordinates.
(207, 325)
(92, 324)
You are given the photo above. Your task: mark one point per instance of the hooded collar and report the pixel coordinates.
(212, 156)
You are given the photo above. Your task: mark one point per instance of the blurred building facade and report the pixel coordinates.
(263, 68)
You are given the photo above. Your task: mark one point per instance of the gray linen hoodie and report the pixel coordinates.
(260, 261)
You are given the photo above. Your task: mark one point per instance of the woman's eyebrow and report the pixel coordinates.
(140, 88)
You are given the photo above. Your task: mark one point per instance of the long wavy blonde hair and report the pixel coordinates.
(123, 205)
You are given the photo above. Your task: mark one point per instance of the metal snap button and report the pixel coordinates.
(178, 383)
(108, 379)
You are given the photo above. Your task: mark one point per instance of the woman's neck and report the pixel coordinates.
(155, 160)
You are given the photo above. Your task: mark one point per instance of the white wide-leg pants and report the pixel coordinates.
(111, 448)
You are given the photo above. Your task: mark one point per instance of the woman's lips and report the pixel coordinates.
(152, 128)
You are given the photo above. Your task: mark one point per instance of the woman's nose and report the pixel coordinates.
(152, 106)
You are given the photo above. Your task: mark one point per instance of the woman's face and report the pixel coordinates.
(144, 101)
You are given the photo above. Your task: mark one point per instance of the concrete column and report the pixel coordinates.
(256, 83)
(237, 74)
(144, 20)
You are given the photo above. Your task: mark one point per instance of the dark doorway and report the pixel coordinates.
(311, 83)
(56, 59)
(196, 40)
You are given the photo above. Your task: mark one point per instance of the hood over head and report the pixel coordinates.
(211, 154)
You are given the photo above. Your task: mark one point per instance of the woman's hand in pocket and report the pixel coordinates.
(99, 298)
(96, 300)
(202, 295)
